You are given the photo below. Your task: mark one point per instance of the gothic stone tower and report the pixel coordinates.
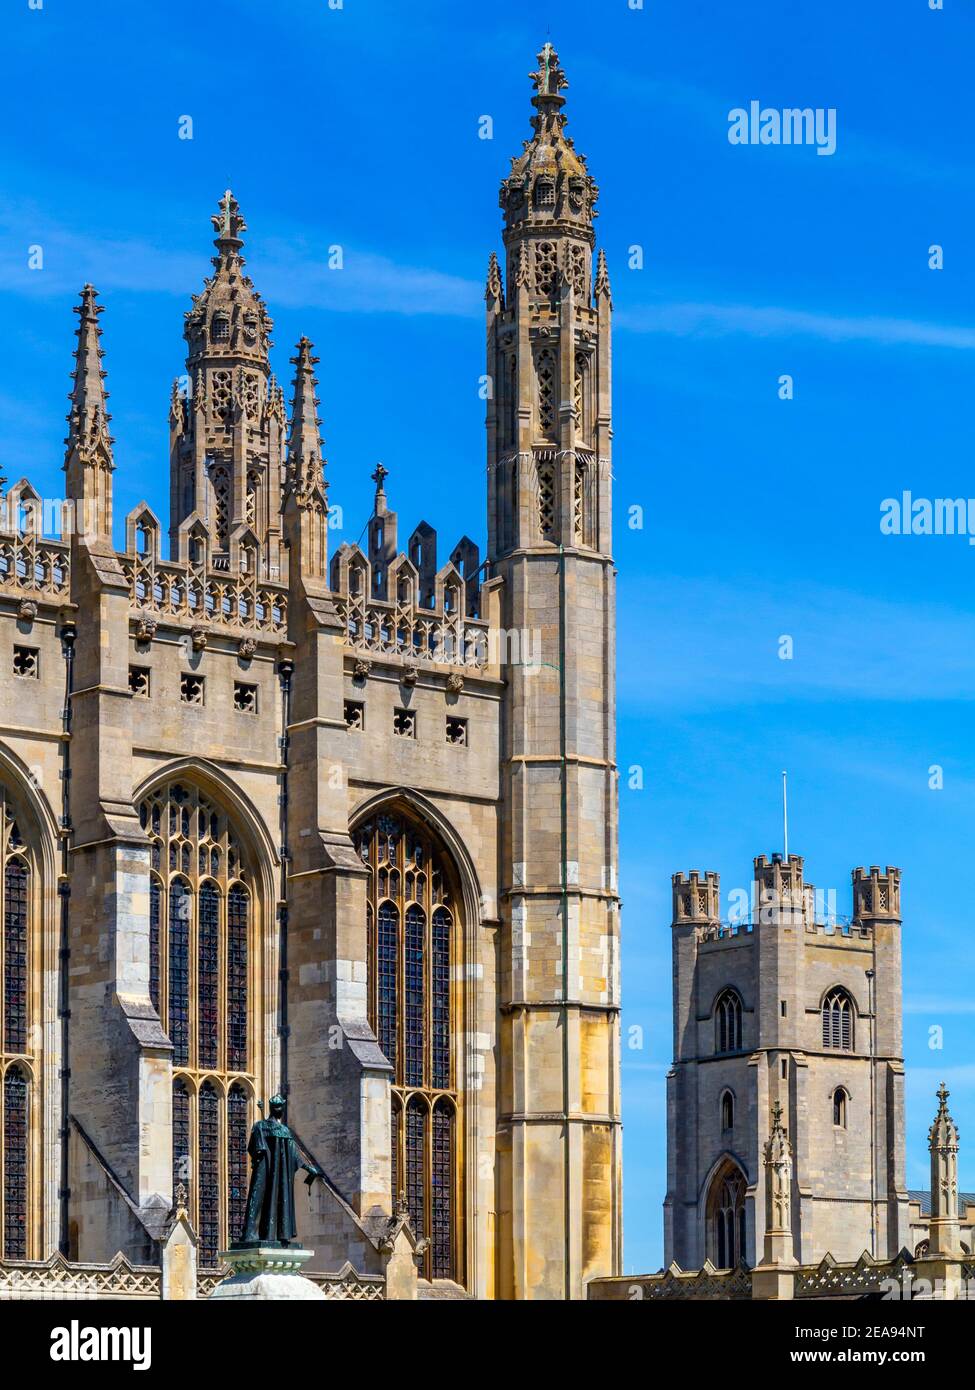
(227, 419)
(340, 825)
(549, 428)
(786, 1009)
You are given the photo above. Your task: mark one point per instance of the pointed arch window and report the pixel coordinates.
(726, 1230)
(840, 1101)
(411, 927)
(201, 934)
(727, 1022)
(20, 1133)
(727, 1110)
(16, 1148)
(837, 1016)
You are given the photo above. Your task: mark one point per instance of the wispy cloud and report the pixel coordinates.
(933, 1005)
(739, 626)
(290, 272)
(708, 320)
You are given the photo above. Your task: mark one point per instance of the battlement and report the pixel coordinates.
(877, 894)
(696, 897)
(781, 897)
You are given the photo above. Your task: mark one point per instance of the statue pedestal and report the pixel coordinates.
(266, 1274)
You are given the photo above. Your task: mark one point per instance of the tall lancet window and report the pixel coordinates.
(19, 960)
(201, 944)
(412, 923)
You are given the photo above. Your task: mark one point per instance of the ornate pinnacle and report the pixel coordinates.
(495, 289)
(228, 223)
(88, 418)
(603, 286)
(305, 463)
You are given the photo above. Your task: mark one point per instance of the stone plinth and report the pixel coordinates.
(267, 1273)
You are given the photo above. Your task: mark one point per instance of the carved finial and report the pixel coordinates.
(549, 79)
(379, 478)
(180, 1198)
(228, 223)
(777, 1116)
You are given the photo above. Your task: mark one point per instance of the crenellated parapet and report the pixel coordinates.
(877, 894)
(696, 898)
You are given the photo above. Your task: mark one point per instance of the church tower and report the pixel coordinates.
(789, 1019)
(549, 427)
(227, 420)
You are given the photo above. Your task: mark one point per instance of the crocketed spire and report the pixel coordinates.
(88, 418)
(305, 463)
(549, 181)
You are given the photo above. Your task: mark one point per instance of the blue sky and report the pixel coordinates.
(359, 127)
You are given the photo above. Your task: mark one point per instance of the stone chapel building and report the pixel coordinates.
(274, 818)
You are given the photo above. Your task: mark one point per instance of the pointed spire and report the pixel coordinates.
(495, 289)
(88, 417)
(305, 464)
(943, 1231)
(603, 287)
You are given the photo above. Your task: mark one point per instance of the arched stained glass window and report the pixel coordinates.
(387, 969)
(178, 1013)
(201, 948)
(442, 1190)
(411, 926)
(209, 1160)
(237, 1167)
(416, 930)
(155, 936)
(15, 1163)
(238, 926)
(20, 1130)
(208, 950)
(838, 1020)
(440, 1004)
(181, 1136)
(15, 936)
(416, 1143)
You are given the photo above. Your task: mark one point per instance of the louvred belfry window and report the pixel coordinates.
(838, 1021)
(412, 921)
(201, 926)
(19, 1134)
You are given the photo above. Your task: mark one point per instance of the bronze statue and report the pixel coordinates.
(275, 1159)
